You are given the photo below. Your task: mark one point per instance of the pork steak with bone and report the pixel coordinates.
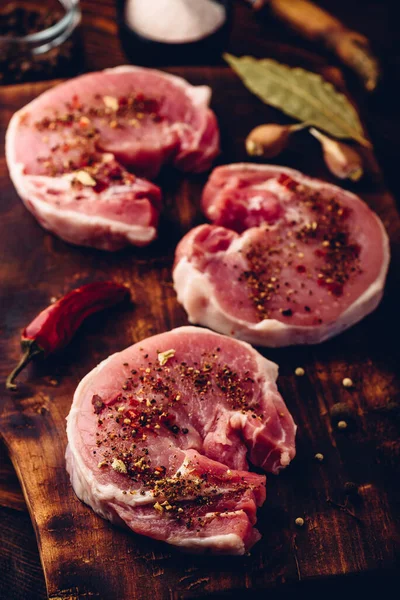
(288, 259)
(78, 154)
(160, 437)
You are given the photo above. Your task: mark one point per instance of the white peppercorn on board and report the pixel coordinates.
(341, 534)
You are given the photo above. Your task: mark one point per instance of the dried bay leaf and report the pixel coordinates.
(301, 94)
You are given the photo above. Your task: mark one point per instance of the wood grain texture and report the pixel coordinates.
(84, 556)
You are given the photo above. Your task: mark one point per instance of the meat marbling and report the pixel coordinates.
(160, 434)
(77, 152)
(288, 260)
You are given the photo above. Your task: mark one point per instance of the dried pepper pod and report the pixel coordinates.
(54, 327)
(342, 160)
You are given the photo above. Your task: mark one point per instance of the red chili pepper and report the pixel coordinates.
(54, 327)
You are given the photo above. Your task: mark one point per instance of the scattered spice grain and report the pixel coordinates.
(347, 382)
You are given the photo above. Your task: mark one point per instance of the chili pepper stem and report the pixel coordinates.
(32, 350)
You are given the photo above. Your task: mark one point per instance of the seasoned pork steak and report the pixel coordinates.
(76, 154)
(288, 260)
(160, 436)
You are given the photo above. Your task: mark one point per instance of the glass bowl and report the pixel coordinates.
(39, 40)
(149, 52)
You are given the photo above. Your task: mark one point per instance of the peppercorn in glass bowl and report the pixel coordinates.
(39, 40)
(174, 32)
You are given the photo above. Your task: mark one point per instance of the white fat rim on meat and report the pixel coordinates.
(196, 293)
(98, 495)
(219, 543)
(59, 222)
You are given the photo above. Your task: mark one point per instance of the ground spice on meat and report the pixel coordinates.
(145, 405)
(326, 230)
(78, 127)
(260, 278)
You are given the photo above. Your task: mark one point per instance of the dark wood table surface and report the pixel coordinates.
(21, 574)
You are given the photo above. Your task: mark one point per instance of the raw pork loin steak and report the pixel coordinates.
(288, 260)
(159, 437)
(77, 152)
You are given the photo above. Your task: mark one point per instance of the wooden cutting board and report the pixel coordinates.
(84, 556)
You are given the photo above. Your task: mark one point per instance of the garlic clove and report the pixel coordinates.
(270, 139)
(267, 140)
(342, 160)
(254, 148)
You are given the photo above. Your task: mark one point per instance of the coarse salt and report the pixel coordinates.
(174, 21)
